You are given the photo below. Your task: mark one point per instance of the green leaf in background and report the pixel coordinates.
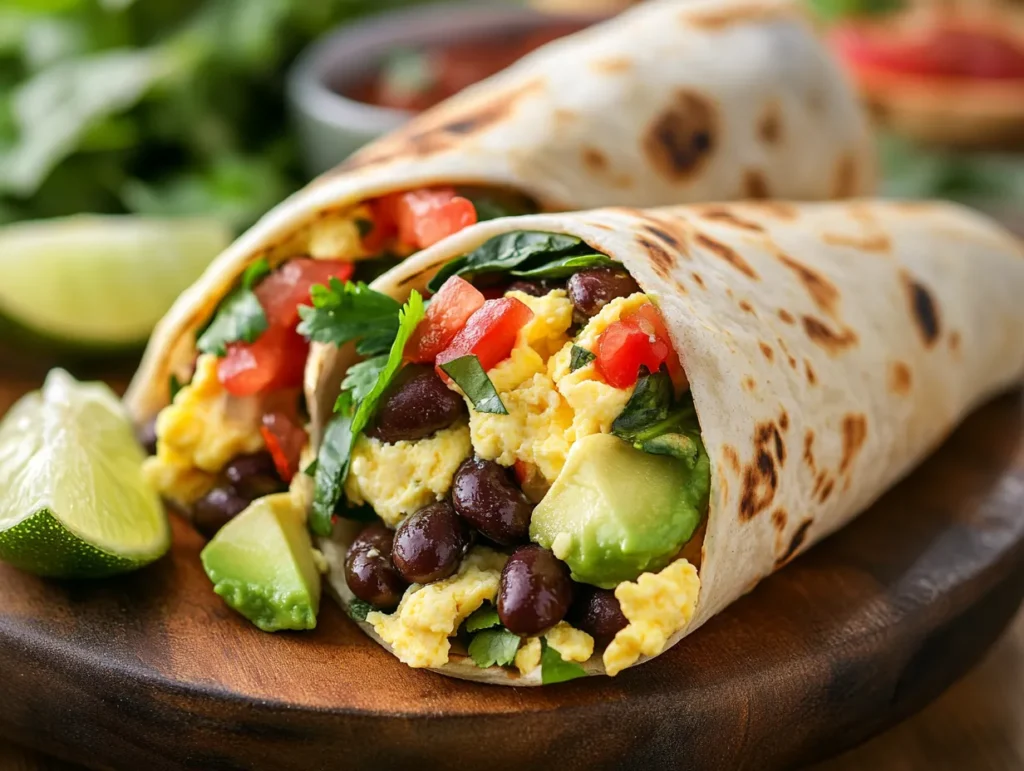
(469, 375)
(842, 9)
(555, 669)
(493, 647)
(240, 317)
(484, 617)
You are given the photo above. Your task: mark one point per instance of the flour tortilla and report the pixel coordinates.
(829, 348)
(672, 102)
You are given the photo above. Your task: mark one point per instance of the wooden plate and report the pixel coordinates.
(152, 671)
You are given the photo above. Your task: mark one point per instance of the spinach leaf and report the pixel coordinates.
(469, 375)
(565, 267)
(332, 467)
(484, 617)
(240, 317)
(654, 422)
(493, 647)
(508, 251)
(651, 402)
(342, 312)
(580, 357)
(555, 669)
(359, 610)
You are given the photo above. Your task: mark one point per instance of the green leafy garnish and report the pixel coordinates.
(359, 610)
(524, 250)
(240, 317)
(651, 402)
(579, 357)
(834, 10)
(654, 422)
(555, 669)
(342, 312)
(175, 386)
(490, 208)
(469, 375)
(362, 377)
(364, 226)
(310, 470)
(484, 617)
(332, 467)
(493, 647)
(565, 267)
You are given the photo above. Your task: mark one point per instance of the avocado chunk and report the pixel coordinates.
(616, 512)
(262, 564)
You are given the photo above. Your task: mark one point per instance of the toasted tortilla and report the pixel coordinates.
(829, 348)
(672, 102)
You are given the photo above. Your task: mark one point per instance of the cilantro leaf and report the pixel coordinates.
(348, 311)
(565, 266)
(359, 610)
(240, 317)
(555, 669)
(509, 251)
(332, 467)
(493, 647)
(469, 375)
(579, 357)
(361, 377)
(484, 617)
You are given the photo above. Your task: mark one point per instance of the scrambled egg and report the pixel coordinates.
(199, 433)
(427, 616)
(571, 644)
(549, 407)
(657, 605)
(337, 237)
(401, 478)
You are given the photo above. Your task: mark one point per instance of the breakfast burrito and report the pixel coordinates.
(604, 427)
(675, 101)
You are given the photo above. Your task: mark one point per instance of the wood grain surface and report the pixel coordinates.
(153, 671)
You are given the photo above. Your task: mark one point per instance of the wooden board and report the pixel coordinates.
(152, 671)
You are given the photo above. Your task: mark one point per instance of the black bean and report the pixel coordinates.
(416, 405)
(369, 572)
(535, 590)
(484, 496)
(254, 476)
(429, 545)
(218, 507)
(533, 288)
(597, 612)
(146, 436)
(591, 290)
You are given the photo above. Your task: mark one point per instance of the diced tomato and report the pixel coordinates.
(639, 339)
(489, 333)
(283, 291)
(426, 216)
(285, 440)
(276, 360)
(447, 313)
(385, 225)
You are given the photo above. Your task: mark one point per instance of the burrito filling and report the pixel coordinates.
(529, 458)
(235, 428)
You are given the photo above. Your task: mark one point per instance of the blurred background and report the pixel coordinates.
(209, 112)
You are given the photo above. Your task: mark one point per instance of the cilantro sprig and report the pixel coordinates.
(555, 669)
(494, 647)
(342, 312)
(239, 317)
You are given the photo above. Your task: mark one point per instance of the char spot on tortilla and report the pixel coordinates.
(899, 378)
(747, 308)
(811, 377)
(667, 231)
(826, 491)
(822, 335)
(769, 128)
(795, 542)
(779, 519)
(755, 185)
(778, 209)
(612, 65)
(786, 316)
(809, 451)
(871, 242)
(821, 290)
(784, 421)
(684, 137)
(954, 342)
(924, 309)
(767, 352)
(729, 217)
(731, 457)
(761, 477)
(594, 159)
(715, 17)
(844, 182)
(661, 259)
(789, 357)
(855, 431)
(697, 280)
(727, 253)
(749, 383)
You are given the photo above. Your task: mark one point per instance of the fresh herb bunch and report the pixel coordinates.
(160, 107)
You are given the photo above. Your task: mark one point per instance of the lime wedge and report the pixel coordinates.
(100, 282)
(74, 503)
(262, 563)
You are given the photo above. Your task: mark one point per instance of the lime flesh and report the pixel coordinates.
(73, 502)
(100, 282)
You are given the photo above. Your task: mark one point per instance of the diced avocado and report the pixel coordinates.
(615, 512)
(262, 564)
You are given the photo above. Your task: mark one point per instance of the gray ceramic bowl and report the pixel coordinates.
(330, 126)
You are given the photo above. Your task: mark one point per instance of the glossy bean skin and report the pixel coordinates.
(369, 571)
(597, 612)
(485, 496)
(591, 290)
(254, 476)
(416, 405)
(218, 507)
(535, 590)
(430, 544)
